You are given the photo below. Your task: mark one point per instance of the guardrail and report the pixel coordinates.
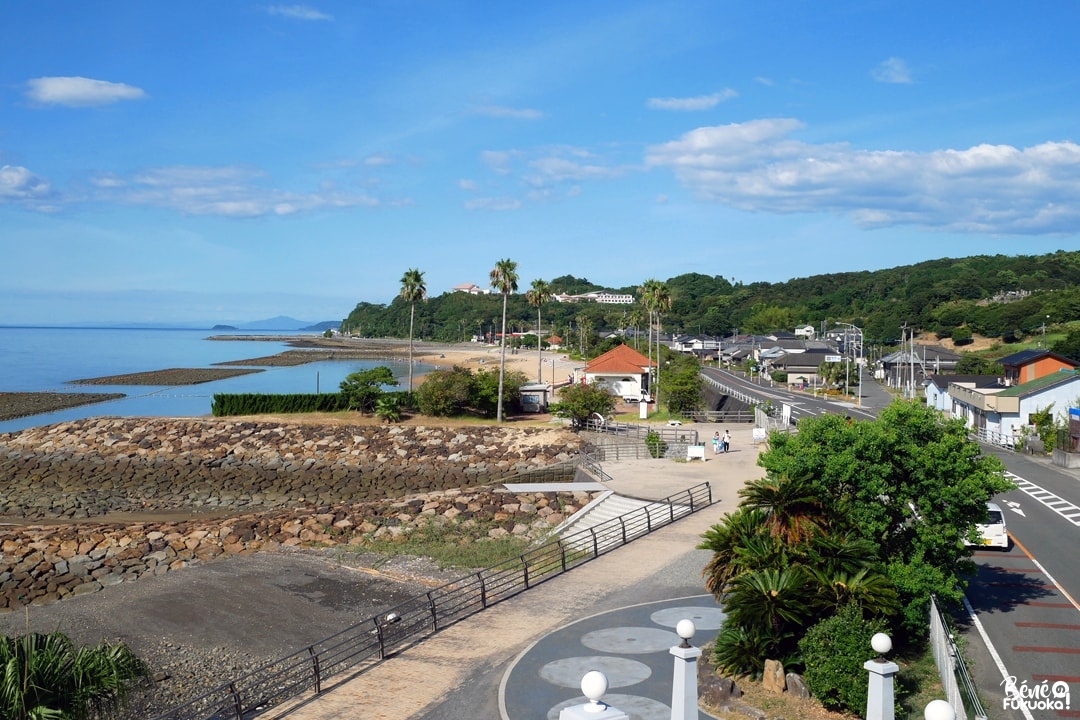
(371, 641)
(721, 416)
(667, 433)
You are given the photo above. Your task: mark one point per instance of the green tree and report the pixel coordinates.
(1069, 346)
(580, 402)
(910, 484)
(43, 676)
(445, 393)
(962, 335)
(537, 296)
(504, 278)
(489, 390)
(362, 389)
(412, 290)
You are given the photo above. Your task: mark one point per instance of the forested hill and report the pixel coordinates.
(992, 295)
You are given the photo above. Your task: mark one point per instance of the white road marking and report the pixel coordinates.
(1062, 507)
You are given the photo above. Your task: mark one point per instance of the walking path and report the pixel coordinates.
(517, 659)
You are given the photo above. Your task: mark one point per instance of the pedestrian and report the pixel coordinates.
(716, 443)
(727, 440)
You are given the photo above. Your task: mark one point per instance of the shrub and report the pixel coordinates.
(833, 652)
(657, 446)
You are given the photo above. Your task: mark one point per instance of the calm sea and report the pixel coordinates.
(48, 359)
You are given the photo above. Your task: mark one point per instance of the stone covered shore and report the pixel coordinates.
(269, 485)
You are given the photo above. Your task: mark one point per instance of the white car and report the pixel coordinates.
(993, 533)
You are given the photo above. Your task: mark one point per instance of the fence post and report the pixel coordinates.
(595, 546)
(483, 590)
(622, 527)
(525, 571)
(434, 613)
(237, 705)
(315, 668)
(880, 704)
(562, 553)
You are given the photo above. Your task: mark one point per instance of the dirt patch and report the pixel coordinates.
(172, 376)
(23, 404)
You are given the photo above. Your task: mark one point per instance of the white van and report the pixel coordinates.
(993, 533)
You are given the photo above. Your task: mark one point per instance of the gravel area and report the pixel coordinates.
(209, 624)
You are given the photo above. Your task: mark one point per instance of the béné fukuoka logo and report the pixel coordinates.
(1040, 696)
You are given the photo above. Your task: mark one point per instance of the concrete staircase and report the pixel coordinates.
(602, 514)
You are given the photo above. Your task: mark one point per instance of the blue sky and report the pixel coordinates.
(231, 161)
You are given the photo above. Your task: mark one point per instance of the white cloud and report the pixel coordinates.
(227, 191)
(493, 204)
(79, 91)
(497, 111)
(19, 184)
(378, 160)
(499, 160)
(557, 169)
(298, 12)
(757, 166)
(701, 102)
(894, 70)
(469, 185)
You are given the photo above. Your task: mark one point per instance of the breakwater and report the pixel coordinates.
(97, 466)
(268, 485)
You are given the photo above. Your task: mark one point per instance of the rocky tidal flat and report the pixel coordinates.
(214, 546)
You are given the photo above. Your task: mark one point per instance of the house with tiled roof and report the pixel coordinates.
(1028, 365)
(1001, 414)
(623, 371)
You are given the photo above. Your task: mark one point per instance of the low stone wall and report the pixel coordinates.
(40, 564)
(91, 467)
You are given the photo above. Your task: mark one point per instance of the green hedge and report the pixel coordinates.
(266, 403)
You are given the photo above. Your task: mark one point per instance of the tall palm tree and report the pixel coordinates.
(412, 289)
(661, 303)
(645, 297)
(655, 298)
(504, 278)
(537, 295)
(44, 676)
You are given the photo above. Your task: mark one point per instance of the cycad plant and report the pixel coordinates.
(43, 677)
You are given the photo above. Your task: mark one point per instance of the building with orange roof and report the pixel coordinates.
(622, 371)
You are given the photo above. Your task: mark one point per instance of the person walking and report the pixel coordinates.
(727, 440)
(716, 443)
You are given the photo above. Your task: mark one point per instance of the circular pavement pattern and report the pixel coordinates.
(631, 647)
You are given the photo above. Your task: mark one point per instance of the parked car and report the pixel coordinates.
(994, 532)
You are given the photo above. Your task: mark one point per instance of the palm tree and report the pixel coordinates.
(412, 289)
(539, 294)
(661, 302)
(645, 293)
(792, 509)
(504, 278)
(44, 676)
(655, 297)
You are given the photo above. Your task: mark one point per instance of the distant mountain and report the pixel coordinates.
(323, 326)
(224, 327)
(281, 322)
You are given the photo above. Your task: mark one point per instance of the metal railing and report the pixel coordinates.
(667, 433)
(721, 416)
(955, 678)
(371, 641)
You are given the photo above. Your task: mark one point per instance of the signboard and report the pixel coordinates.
(760, 435)
(833, 358)
(695, 451)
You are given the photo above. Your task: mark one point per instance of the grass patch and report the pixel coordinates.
(452, 544)
(918, 682)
